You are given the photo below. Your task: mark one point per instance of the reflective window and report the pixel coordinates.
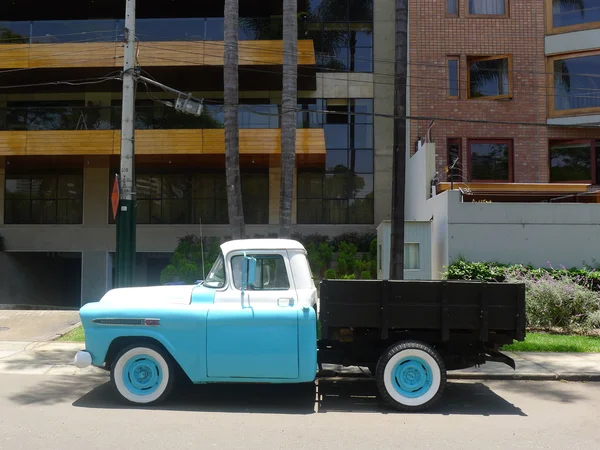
(577, 83)
(571, 13)
(571, 161)
(489, 76)
(271, 273)
(453, 80)
(490, 160)
(44, 199)
(488, 7)
(343, 193)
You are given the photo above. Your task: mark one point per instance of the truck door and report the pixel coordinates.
(255, 335)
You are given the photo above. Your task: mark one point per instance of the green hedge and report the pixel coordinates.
(565, 298)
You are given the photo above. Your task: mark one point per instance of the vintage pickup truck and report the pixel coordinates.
(253, 319)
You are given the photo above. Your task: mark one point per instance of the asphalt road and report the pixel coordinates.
(68, 412)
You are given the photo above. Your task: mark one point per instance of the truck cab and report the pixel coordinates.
(253, 319)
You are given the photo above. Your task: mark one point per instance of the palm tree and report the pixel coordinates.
(231, 97)
(289, 94)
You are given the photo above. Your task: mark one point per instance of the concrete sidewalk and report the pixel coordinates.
(56, 358)
(35, 325)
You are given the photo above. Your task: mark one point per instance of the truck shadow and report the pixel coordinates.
(470, 398)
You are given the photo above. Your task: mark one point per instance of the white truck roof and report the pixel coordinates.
(260, 244)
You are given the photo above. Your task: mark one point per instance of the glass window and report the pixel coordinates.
(453, 88)
(568, 13)
(216, 276)
(412, 259)
(489, 77)
(488, 7)
(271, 273)
(490, 160)
(570, 161)
(44, 199)
(577, 83)
(452, 7)
(255, 197)
(342, 46)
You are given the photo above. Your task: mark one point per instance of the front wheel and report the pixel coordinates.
(142, 374)
(411, 376)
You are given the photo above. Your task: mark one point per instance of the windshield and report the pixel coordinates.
(216, 276)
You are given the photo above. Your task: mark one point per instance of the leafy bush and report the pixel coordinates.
(330, 274)
(480, 271)
(186, 262)
(365, 275)
(593, 320)
(557, 302)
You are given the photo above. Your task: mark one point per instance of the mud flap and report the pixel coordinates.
(496, 356)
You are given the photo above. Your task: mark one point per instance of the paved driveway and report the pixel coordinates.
(34, 326)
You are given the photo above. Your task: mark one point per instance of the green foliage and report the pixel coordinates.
(330, 274)
(565, 298)
(186, 262)
(349, 277)
(346, 260)
(365, 275)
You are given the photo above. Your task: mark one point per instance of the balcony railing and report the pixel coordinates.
(32, 118)
(111, 30)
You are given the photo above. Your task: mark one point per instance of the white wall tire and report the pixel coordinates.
(411, 376)
(142, 374)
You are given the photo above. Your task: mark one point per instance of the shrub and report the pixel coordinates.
(557, 302)
(480, 271)
(365, 275)
(330, 274)
(593, 320)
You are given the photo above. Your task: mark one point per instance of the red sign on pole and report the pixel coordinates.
(115, 196)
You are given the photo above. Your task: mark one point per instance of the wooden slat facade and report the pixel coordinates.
(151, 54)
(518, 187)
(155, 142)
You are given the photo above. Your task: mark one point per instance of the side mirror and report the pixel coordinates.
(248, 272)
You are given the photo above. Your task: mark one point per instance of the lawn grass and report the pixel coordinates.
(544, 342)
(75, 335)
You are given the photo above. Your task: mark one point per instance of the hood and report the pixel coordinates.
(146, 296)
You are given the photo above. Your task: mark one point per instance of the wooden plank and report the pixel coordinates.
(13, 143)
(151, 54)
(265, 142)
(521, 187)
(78, 54)
(14, 56)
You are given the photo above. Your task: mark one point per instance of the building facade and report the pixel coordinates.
(511, 87)
(514, 88)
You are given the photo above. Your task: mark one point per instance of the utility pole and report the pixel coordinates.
(400, 150)
(126, 218)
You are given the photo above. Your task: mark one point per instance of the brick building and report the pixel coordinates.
(534, 64)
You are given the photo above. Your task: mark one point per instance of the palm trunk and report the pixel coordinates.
(232, 153)
(288, 114)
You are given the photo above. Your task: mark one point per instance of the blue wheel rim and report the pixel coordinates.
(142, 375)
(412, 377)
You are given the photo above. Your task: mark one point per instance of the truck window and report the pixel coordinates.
(271, 273)
(216, 276)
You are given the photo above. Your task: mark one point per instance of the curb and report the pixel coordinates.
(574, 377)
(64, 331)
(577, 377)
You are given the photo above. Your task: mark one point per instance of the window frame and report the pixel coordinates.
(263, 255)
(594, 149)
(506, 14)
(551, 29)
(475, 58)
(457, 5)
(32, 174)
(457, 59)
(552, 112)
(508, 141)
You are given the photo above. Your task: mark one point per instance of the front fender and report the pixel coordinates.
(181, 331)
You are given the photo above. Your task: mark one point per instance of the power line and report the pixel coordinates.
(81, 33)
(76, 82)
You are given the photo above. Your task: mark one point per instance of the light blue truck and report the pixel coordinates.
(254, 320)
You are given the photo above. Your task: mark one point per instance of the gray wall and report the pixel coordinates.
(526, 233)
(575, 41)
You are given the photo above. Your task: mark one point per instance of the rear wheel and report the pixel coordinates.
(411, 376)
(142, 374)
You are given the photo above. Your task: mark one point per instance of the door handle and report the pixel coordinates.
(285, 302)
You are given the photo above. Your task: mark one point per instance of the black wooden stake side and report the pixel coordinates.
(399, 155)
